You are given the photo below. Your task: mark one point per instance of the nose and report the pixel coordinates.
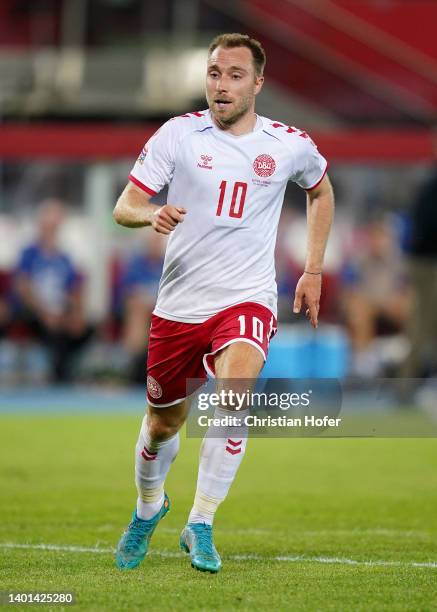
(220, 85)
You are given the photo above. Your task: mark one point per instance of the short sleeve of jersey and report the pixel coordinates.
(309, 165)
(155, 165)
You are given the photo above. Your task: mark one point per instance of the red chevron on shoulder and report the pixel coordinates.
(194, 113)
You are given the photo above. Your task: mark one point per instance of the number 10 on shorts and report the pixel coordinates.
(257, 327)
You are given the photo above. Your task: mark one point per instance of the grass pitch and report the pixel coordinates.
(310, 524)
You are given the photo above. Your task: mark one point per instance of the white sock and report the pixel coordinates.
(152, 462)
(220, 458)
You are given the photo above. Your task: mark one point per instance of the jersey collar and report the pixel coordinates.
(258, 128)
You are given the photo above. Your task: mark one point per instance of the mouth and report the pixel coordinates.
(221, 103)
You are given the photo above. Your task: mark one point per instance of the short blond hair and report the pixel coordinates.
(230, 41)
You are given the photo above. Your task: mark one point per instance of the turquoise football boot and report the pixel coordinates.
(196, 539)
(134, 542)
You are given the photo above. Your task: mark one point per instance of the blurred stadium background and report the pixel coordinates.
(84, 83)
(310, 524)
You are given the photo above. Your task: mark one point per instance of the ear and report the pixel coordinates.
(259, 80)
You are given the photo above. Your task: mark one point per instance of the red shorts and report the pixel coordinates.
(180, 351)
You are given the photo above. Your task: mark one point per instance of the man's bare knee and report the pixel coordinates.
(164, 423)
(160, 431)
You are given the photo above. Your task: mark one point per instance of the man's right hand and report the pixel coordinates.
(166, 218)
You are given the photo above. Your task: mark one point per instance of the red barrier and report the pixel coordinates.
(111, 142)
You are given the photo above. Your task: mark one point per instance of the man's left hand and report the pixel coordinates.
(308, 290)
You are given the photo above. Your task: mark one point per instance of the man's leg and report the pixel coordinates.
(220, 457)
(156, 449)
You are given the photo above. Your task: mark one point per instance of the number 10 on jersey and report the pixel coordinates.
(237, 200)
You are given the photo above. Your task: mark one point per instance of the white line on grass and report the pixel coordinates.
(394, 533)
(279, 558)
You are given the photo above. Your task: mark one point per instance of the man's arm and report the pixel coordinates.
(320, 212)
(134, 209)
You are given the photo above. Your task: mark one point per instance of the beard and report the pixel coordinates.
(236, 111)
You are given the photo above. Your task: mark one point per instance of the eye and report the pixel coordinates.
(213, 74)
(236, 76)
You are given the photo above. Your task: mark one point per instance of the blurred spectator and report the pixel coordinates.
(139, 288)
(48, 292)
(376, 299)
(422, 329)
(5, 306)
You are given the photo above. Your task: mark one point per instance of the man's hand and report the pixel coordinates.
(308, 289)
(166, 218)
(134, 209)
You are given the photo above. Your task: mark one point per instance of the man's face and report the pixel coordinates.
(50, 220)
(231, 84)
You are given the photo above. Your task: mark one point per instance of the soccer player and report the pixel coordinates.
(227, 169)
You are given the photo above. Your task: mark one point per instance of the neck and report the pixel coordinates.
(47, 246)
(244, 125)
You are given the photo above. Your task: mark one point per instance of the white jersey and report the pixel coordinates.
(233, 189)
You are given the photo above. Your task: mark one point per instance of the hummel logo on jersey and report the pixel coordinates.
(205, 161)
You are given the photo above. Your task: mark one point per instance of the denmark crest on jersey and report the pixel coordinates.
(264, 165)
